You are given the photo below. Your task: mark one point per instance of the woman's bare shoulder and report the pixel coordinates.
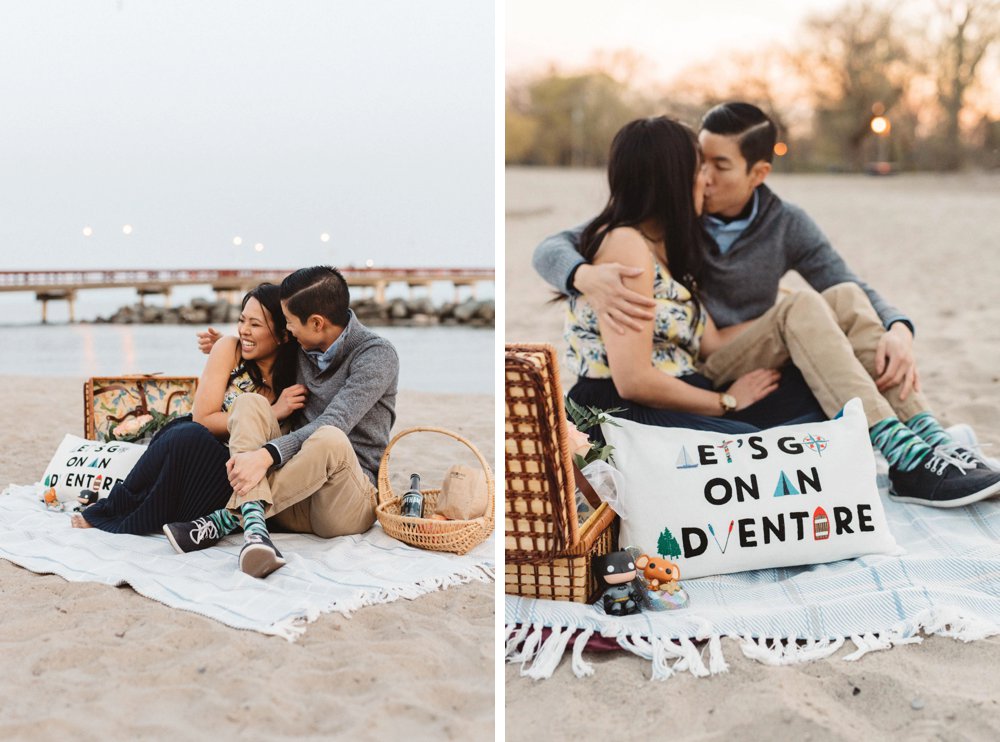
(624, 245)
(225, 353)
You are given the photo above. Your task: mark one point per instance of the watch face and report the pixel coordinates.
(729, 401)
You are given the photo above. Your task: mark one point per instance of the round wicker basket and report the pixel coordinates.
(456, 536)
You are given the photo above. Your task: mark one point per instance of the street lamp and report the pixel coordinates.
(881, 127)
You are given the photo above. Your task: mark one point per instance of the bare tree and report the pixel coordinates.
(970, 29)
(857, 62)
(765, 77)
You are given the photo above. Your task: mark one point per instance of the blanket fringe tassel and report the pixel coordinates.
(539, 659)
(292, 627)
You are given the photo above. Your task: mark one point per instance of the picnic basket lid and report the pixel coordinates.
(539, 501)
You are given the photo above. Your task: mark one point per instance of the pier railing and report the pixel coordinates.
(90, 278)
(63, 285)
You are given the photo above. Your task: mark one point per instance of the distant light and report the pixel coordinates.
(369, 263)
(127, 229)
(87, 231)
(237, 241)
(878, 109)
(880, 125)
(324, 237)
(259, 247)
(780, 149)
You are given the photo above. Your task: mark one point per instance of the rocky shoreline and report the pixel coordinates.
(421, 312)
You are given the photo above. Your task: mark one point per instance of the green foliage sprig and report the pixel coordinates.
(586, 418)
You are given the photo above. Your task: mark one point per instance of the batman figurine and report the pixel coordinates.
(621, 592)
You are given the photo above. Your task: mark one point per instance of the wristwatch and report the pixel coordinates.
(727, 402)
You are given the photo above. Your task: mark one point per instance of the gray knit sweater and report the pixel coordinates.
(356, 393)
(742, 283)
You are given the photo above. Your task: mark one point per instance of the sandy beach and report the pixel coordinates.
(85, 661)
(926, 242)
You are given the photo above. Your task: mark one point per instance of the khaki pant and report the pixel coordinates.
(831, 338)
(321, 489)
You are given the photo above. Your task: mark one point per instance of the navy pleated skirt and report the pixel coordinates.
(181, 476)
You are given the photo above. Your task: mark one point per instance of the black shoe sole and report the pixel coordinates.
(170, 538)
(180, 550)
(260, 560)
(957, 503)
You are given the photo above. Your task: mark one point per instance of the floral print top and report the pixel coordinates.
(239, 383)
(677, 330)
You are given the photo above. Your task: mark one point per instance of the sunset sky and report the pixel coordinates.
(670, 34)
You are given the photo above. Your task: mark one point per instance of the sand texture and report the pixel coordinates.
(928, 244)
(85, 661)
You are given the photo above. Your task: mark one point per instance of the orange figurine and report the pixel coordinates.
(659, 573)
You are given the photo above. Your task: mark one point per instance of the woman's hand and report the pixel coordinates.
(754, 386)
(291, 399)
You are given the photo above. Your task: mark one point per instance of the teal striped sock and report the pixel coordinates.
(253, 518)
(927, 427)
(225, 521)
(902, 448)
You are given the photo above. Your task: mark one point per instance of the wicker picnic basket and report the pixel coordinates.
(547, 554)
(458, 536)
(110, 400)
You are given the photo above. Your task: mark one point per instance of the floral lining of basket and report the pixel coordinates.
(109, 401)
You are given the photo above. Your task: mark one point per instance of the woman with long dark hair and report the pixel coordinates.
(182, 475)
(680, 371)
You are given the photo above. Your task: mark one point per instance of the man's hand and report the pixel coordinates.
(895, 363)
(247, 469)
(207, 339)
(619, 306)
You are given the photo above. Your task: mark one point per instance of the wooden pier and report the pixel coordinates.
(63, 285)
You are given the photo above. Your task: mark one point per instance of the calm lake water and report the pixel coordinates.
(432, 359)
(457, 360)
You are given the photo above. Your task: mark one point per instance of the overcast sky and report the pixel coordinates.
(275, 121)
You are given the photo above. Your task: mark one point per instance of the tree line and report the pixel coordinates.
(929, 68)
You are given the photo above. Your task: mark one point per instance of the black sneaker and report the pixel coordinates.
(192, 535)
(258, 557)
(942, 483)
(961, 453)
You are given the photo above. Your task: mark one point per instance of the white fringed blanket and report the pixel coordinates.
(342, 574)
(947, 583)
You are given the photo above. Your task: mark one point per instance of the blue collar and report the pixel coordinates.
(324, 358)
(725, 234)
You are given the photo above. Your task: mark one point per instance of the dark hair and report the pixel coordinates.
(651, 173)
(754, 129)
(285, 362)
(318, 290)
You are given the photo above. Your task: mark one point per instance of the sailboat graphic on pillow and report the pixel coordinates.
(684, 460)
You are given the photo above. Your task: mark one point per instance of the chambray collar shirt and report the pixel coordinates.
(725, 234)
(323, 359)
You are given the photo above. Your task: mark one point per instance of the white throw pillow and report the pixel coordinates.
(79, 464)
(715, 503)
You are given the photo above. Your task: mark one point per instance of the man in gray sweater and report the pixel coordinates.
(752, 239)
(320, 477)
